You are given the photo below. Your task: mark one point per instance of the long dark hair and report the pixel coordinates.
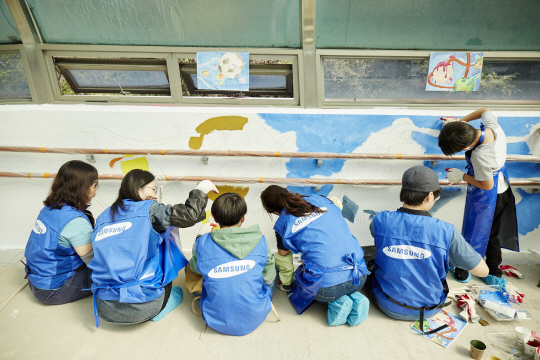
(275, 198)
(129, 189)
(71, 185)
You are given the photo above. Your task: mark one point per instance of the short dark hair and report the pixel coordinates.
(228, 209)
(71, 185)
(456, 136)
(414, 198)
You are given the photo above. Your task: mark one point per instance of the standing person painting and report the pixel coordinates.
(61, 236)
(333, 269)
(489, 222)
(135, 256)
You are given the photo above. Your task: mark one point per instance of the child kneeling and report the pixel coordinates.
(237, 268)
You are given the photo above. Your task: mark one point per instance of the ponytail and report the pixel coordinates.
(275, 198)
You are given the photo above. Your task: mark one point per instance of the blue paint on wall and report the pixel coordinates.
(448, 194)
(310, 190)
(371, 213)
(349, 209)
(527, 211)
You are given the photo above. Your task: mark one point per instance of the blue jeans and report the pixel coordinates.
(332, 293)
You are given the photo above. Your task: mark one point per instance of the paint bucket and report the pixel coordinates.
(530, 345)
(493, 358)
(477, 349)
(521, 334)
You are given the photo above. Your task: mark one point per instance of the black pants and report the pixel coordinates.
(69, 292)
(493, 250)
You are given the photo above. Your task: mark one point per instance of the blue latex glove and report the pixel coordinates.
(494, 280)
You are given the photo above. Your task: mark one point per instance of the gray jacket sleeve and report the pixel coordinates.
(180, 215)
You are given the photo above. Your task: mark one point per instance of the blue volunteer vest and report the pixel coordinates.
(323, 239)
(480, 208)
(132, 262)
(331, 255)
(50, 265)
(234, 298)
(411, 261)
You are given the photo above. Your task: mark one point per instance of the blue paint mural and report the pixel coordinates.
(349, 209)
(344, 133)
(527, 211)
(448, 194)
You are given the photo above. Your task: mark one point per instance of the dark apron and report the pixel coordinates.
(309, 276)
(480, 208)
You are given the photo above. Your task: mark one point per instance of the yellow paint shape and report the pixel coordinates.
(128, 165)
(240, 190)
(219, 123)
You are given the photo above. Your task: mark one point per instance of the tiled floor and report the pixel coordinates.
(29, 330)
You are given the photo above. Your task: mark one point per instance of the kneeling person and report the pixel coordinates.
(414, 251)
(238, 270)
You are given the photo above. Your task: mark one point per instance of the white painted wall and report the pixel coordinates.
(163, 127)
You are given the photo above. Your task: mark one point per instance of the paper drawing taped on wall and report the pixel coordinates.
(223, 71)
(455, 71)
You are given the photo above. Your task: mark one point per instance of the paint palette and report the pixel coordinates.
(500, 306)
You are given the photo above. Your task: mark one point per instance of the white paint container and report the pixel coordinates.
(528, 349)
(521, 334)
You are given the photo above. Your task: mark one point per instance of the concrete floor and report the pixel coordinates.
(29, 330)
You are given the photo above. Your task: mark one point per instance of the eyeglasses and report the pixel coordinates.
(95, 184)
(153, 188)
(438, 197)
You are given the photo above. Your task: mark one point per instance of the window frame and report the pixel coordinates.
(417, 55)
(256, 69)
(171, 56)
(64, 65)
(14, 49)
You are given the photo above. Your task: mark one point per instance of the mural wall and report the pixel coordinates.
(161, 127)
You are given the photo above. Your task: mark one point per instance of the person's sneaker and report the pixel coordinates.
(462, 276)
(339, 310)
(285, 288)
(494, 280)
(360, 309)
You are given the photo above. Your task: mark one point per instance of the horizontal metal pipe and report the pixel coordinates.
(308, 155)
(291, 181)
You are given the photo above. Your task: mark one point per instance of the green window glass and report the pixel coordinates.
(169, 22)
(8, 30)
(429, 25)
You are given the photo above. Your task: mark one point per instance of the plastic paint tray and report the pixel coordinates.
(495, 295)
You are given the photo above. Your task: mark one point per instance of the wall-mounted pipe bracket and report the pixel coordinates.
(91, 158)
(205, 160)
(316, 188)
(319, 162)
(433, 163)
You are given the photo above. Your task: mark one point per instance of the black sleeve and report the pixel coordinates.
(279, 241)
(180, 215)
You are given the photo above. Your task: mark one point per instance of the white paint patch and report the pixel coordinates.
(112, 230)
(304, 221)
(406, 252)
(39, 227)
(232, 268)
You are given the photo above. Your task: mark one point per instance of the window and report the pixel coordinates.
(113, 76)
(13, 83)
(266, 79)
(394, 80)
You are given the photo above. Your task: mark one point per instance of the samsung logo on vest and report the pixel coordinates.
(304, 221)
(406, 252)
(112, 230)
(232, 268)
(39, 228)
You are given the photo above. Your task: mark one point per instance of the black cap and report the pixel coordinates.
(420, 178)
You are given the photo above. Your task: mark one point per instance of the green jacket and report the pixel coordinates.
(240, 242)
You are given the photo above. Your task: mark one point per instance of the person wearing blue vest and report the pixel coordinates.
(61, 236)
(489, 221)
(136, 257)
(415, 250)
(333, 269)
(237, 268)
